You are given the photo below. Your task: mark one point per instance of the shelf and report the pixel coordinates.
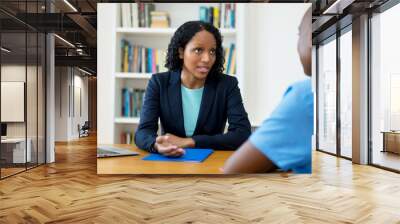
(127, 120)
(163, 31)
(126, 75)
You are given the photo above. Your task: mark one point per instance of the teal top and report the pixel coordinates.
(191, 100)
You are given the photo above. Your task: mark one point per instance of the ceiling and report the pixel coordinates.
(76, 22)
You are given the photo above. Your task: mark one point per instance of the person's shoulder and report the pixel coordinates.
(164, 78)
(226, 80)
(300, 95)
(161, 75)
(303, 86)
(300, 88)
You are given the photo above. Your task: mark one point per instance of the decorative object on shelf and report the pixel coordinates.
(160, 19)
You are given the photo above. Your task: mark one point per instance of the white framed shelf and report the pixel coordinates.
(163, 31)
(127, 120)
(129, 75)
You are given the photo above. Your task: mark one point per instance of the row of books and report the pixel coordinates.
(143, 15)
(140, 59)
(230, 59)
(221, 17)
(127, 137)
(132, 101)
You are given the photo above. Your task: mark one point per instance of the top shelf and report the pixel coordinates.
(164, 31)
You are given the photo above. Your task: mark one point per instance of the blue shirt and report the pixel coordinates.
(191, 100)
(285, 137)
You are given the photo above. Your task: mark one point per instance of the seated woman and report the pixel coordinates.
(194, 99)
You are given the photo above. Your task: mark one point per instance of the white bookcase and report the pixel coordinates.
(251, 38)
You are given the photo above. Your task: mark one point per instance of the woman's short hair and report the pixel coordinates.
(183, 35)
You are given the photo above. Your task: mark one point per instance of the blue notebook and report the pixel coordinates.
(191, 155)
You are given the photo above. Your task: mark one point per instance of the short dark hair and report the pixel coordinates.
(183, 35)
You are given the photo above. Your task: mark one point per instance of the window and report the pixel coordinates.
(385, 89)
(346, 94)
(327, 97)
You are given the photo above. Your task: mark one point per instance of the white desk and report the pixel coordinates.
(18, 149)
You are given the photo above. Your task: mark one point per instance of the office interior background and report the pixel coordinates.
(257, 61)
(48, 87)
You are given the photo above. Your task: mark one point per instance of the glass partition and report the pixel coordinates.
(385, 89)
(327, 96)
(346, 94)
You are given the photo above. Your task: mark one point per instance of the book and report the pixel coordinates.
(203, 15)
(216, 17)
(135, 15)
(126, 15)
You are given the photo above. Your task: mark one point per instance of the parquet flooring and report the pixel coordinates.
(70, 191)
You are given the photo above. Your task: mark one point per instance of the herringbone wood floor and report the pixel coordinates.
(69, 191)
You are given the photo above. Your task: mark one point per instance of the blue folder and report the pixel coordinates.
(191, 155)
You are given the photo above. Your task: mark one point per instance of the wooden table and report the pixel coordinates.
(135, 164)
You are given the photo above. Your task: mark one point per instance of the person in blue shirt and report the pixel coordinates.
(283, 141)
(194, 99)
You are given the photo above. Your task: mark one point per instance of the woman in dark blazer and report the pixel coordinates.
(194, 99)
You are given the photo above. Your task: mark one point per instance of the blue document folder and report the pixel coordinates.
(191, 155)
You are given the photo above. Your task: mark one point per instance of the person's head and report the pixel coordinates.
(304, 45)
(196, 48)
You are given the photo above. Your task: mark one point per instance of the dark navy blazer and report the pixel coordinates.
(221, 101)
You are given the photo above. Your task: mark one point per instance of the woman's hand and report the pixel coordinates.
(180, 142)
(164, 147)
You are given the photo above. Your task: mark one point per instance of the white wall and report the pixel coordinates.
(271, 51)
(68, 83)
(17, 73)
(106, 24)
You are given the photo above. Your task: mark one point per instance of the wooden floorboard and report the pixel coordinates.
(70, 191)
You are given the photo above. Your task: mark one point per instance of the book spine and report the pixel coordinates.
(135, 59)
(153, 60)
(233, 19)
(141, 15)
(135, 16)
(216, 17)
(230, 58)
(122, 54)
(203, 14)
(233, 65)
(130, 58)
(126, 57)
(143, 59)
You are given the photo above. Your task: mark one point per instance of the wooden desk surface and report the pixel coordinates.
(135, 164)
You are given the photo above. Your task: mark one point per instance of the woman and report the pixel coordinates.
(194, 99)
(284, 140)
